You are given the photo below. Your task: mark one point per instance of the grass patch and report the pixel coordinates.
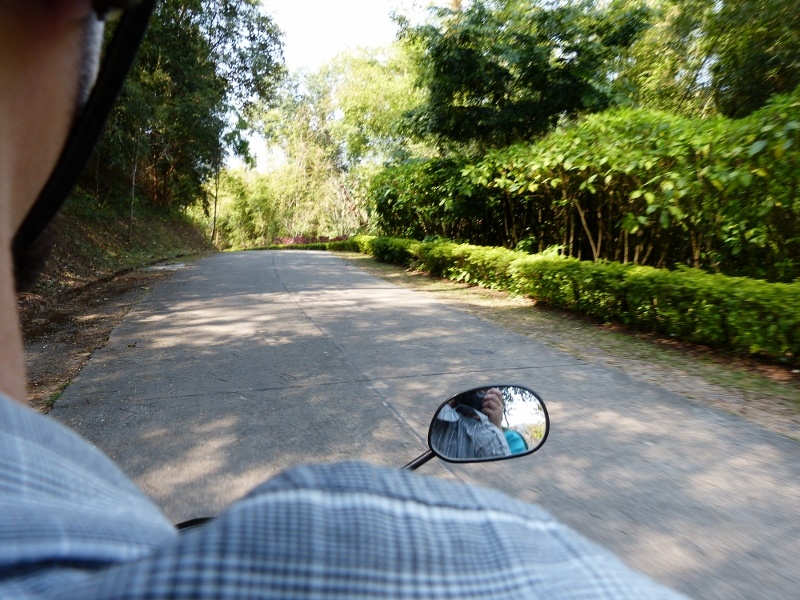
(51, 400)
(96, 242)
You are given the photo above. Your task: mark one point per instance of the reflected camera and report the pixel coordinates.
(473, 399)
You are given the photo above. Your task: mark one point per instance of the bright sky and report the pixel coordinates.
(317, 30)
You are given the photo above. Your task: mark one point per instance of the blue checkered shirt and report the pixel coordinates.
(73, 526)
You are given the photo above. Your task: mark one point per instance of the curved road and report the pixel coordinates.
(245, 363)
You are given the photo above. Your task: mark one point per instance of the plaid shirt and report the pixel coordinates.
(73, 526)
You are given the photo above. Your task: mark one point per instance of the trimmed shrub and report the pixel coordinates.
(393, 250)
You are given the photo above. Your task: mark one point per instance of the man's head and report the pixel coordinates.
(42, 53)
(48, 58)
(48, 55)
(82, 17)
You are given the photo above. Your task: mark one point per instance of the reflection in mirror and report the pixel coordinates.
(489, 423)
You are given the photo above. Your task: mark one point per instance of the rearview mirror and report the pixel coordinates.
(489, 423)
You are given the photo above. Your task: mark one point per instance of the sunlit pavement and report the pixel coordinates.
(243, 364)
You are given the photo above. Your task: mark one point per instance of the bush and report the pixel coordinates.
(397, 251)
(627, 185)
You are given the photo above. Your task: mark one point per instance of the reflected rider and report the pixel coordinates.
(470, 426)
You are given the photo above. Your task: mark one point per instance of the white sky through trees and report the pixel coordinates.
(317, 30)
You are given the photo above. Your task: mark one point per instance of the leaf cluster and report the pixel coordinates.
(627, 185)
(498, 72)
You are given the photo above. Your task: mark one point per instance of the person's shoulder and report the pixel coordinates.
(447, 413)
(27, 434)
(402, 517)
(359, 531)
(360, 478)
(63, 502)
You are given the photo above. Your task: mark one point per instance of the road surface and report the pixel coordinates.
(243, 364)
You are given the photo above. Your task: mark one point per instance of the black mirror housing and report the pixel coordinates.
(489, 423)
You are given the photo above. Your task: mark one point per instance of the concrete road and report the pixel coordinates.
(243, 364)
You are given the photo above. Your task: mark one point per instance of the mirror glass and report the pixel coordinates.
(489, 423)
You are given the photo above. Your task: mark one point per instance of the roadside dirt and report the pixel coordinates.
(61, 334)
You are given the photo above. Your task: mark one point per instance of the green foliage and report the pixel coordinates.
(249, 211)
(756, 50)
(329, 129)
(700, 57)
(393, 250)
(666, 68)
(502, 71)
(736, 313)
(349, 245)
(372, 90)
(592, 289)
(423, 198)
(479, 265)
(357, 243)
(200, 69)
(319, 193)
(254, 209)
(741, 314)
(626, 185)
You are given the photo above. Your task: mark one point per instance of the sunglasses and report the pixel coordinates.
(103, 7)
(89, 124)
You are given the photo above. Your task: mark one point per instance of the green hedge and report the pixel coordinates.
(627, 185)
(348, 245)
(742, 315)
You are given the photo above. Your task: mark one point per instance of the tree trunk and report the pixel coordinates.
(599, 234)
(539, 229)
(216, 196)
(694, 238)
(647, 254)
(133, 189)
(506, 211)
(625, 238)
(586, 229)
(569, 246)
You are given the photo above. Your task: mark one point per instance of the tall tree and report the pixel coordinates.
(201, 68)
(312, 186)
(372, 90)
(755, 45)
(700, 57)
(501, 71)
(667, 67)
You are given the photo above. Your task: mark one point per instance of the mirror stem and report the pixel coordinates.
(419, 461)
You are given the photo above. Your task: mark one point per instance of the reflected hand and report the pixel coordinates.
(493, 407)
